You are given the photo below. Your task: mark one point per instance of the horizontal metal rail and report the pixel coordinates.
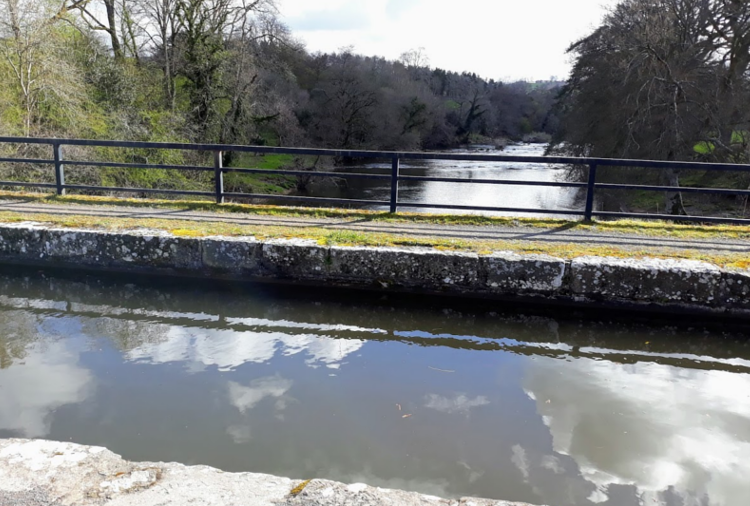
(302, 198)
(28, 185)
(118, 165)
(517, 182)
(681, 189)
(492, 209)
(306, 173)
(394, 176)
(671, 217)
(26, 160)
(138, 190)
(403, 155)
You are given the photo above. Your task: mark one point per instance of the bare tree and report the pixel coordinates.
(35, 54)
(659, 77)
(160, 18)
(415, 58)
(109, 24)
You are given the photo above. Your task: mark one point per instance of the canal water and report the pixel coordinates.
(463, 194)
(430, 395)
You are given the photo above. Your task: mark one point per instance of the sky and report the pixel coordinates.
(498, 39)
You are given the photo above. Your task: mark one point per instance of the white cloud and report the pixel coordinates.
(240, 434)
(520, 461)
(228, 349)
(50, 377)
(246, 398)
(458, 403)
(495, 39)
(649, 425)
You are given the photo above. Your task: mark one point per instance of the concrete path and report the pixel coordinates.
(567, 234)
(49, 473)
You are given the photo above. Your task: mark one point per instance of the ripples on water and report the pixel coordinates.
(317, 384)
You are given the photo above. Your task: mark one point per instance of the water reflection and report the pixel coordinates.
(463, 194)
(649, 425)
(228, 349)
(458, 403)
(350, 387)
(44, 375)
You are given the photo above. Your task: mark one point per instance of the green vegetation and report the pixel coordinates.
(225, 72)
(260, 183)
(635, 227)
(707, 148)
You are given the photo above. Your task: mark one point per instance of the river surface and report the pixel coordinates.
(431, 395)
(463, 194)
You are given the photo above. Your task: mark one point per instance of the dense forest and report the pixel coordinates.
(658, 79)
(228, 71)
(664, 80)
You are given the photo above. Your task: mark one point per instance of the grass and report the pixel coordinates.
(635, 227)
(260, 183)
(324, 236)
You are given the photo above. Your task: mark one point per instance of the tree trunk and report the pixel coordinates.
(112, 30)
(674, 204)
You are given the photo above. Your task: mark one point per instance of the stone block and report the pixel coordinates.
(646, 280)
(22, 241)
(735, 289)
(153, 249)
(77, 247)
(420, 268)
(511, 273)
(236, 255)
(294, 258)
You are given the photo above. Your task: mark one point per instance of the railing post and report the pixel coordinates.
(218, 178)
(394, 184)
(59, 168)
(590, 193)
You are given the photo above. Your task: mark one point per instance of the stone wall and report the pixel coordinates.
(653, 284)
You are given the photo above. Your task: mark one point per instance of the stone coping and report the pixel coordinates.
(50, 473)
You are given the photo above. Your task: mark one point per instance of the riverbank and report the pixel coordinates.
(643, 284)
(48, 473)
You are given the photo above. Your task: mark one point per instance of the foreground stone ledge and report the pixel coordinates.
(49, 473)
(647, 283)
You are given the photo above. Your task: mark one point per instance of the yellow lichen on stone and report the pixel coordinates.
(299, 488)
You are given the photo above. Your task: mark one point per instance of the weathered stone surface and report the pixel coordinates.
(735, 289)
(76, 246)
(47, 473)
(647, 279)
(24, 240)
(420, 268)
(238, 255)
(145, 249)
(153, 249)
(294, 258)
(512, 273)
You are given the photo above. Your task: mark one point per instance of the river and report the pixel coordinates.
(430, 395)
(464, 194)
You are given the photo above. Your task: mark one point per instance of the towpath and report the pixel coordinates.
(565, 233)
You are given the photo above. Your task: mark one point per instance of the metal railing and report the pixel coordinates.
(219, 194)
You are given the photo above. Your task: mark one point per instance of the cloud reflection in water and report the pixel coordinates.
(655, 426)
